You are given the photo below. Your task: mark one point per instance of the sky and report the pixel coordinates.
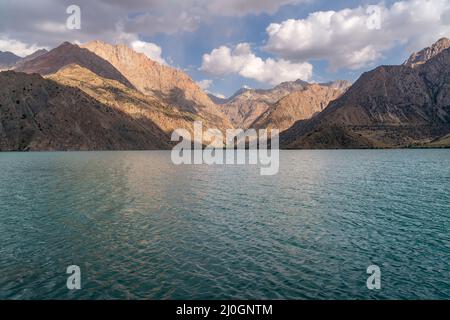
(228, 44)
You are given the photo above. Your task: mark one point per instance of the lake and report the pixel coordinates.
(140, 227)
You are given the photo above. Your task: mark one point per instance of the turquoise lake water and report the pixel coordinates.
(140, 227)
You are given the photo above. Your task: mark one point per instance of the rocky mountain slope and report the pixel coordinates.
(30, 57)
(281, 106)
(142, 76)
(299, 105)
(168, 84)
(247, 105)
(68, 53)
(426, 54)
(42, 114)
(391, 106)
(103, 97)
(129, 101)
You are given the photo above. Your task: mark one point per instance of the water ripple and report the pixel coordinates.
(142, 228)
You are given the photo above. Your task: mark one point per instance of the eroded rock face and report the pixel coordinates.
(436, 74)
(129, 101)
(245, 108)
(168, 84)
(282, 106)
(110, 97)
(247, 105)
(299, 105)
(421, 57)
(135, 71)
(41, 114)
(391, 106)
(68, 53)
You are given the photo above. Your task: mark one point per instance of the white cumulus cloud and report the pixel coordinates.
(43, 22)
(219, 95)
(241, 60)
(151, 50)
(205, 84)
(354, 38)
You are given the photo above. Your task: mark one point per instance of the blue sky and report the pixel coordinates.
(185, 49)
(228, 43)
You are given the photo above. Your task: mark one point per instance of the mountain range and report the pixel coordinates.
(42, 114)
(389, 107)
(99, 96)
(9, 60)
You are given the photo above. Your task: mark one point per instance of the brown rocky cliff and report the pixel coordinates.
(419, 58)
(247, 105)
(391, 106)
(129, 101)
(41, 114)
(68, 53)
(171, 85)
(299, 105)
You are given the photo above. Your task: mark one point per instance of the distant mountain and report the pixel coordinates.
(168, 84)
(426, 54)
(68, 53)
(390, 106)
(281, 106)
(41, 114)
(300, 105)
(100, 96)
(30, 57)
(247, 105)
(8, 59)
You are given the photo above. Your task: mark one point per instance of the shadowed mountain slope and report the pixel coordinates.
(30, 57)
(167, 84)
(66, 54)
(391, 106)
(130, 101)
(41, 114)
(419, 58)
(8, 59)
